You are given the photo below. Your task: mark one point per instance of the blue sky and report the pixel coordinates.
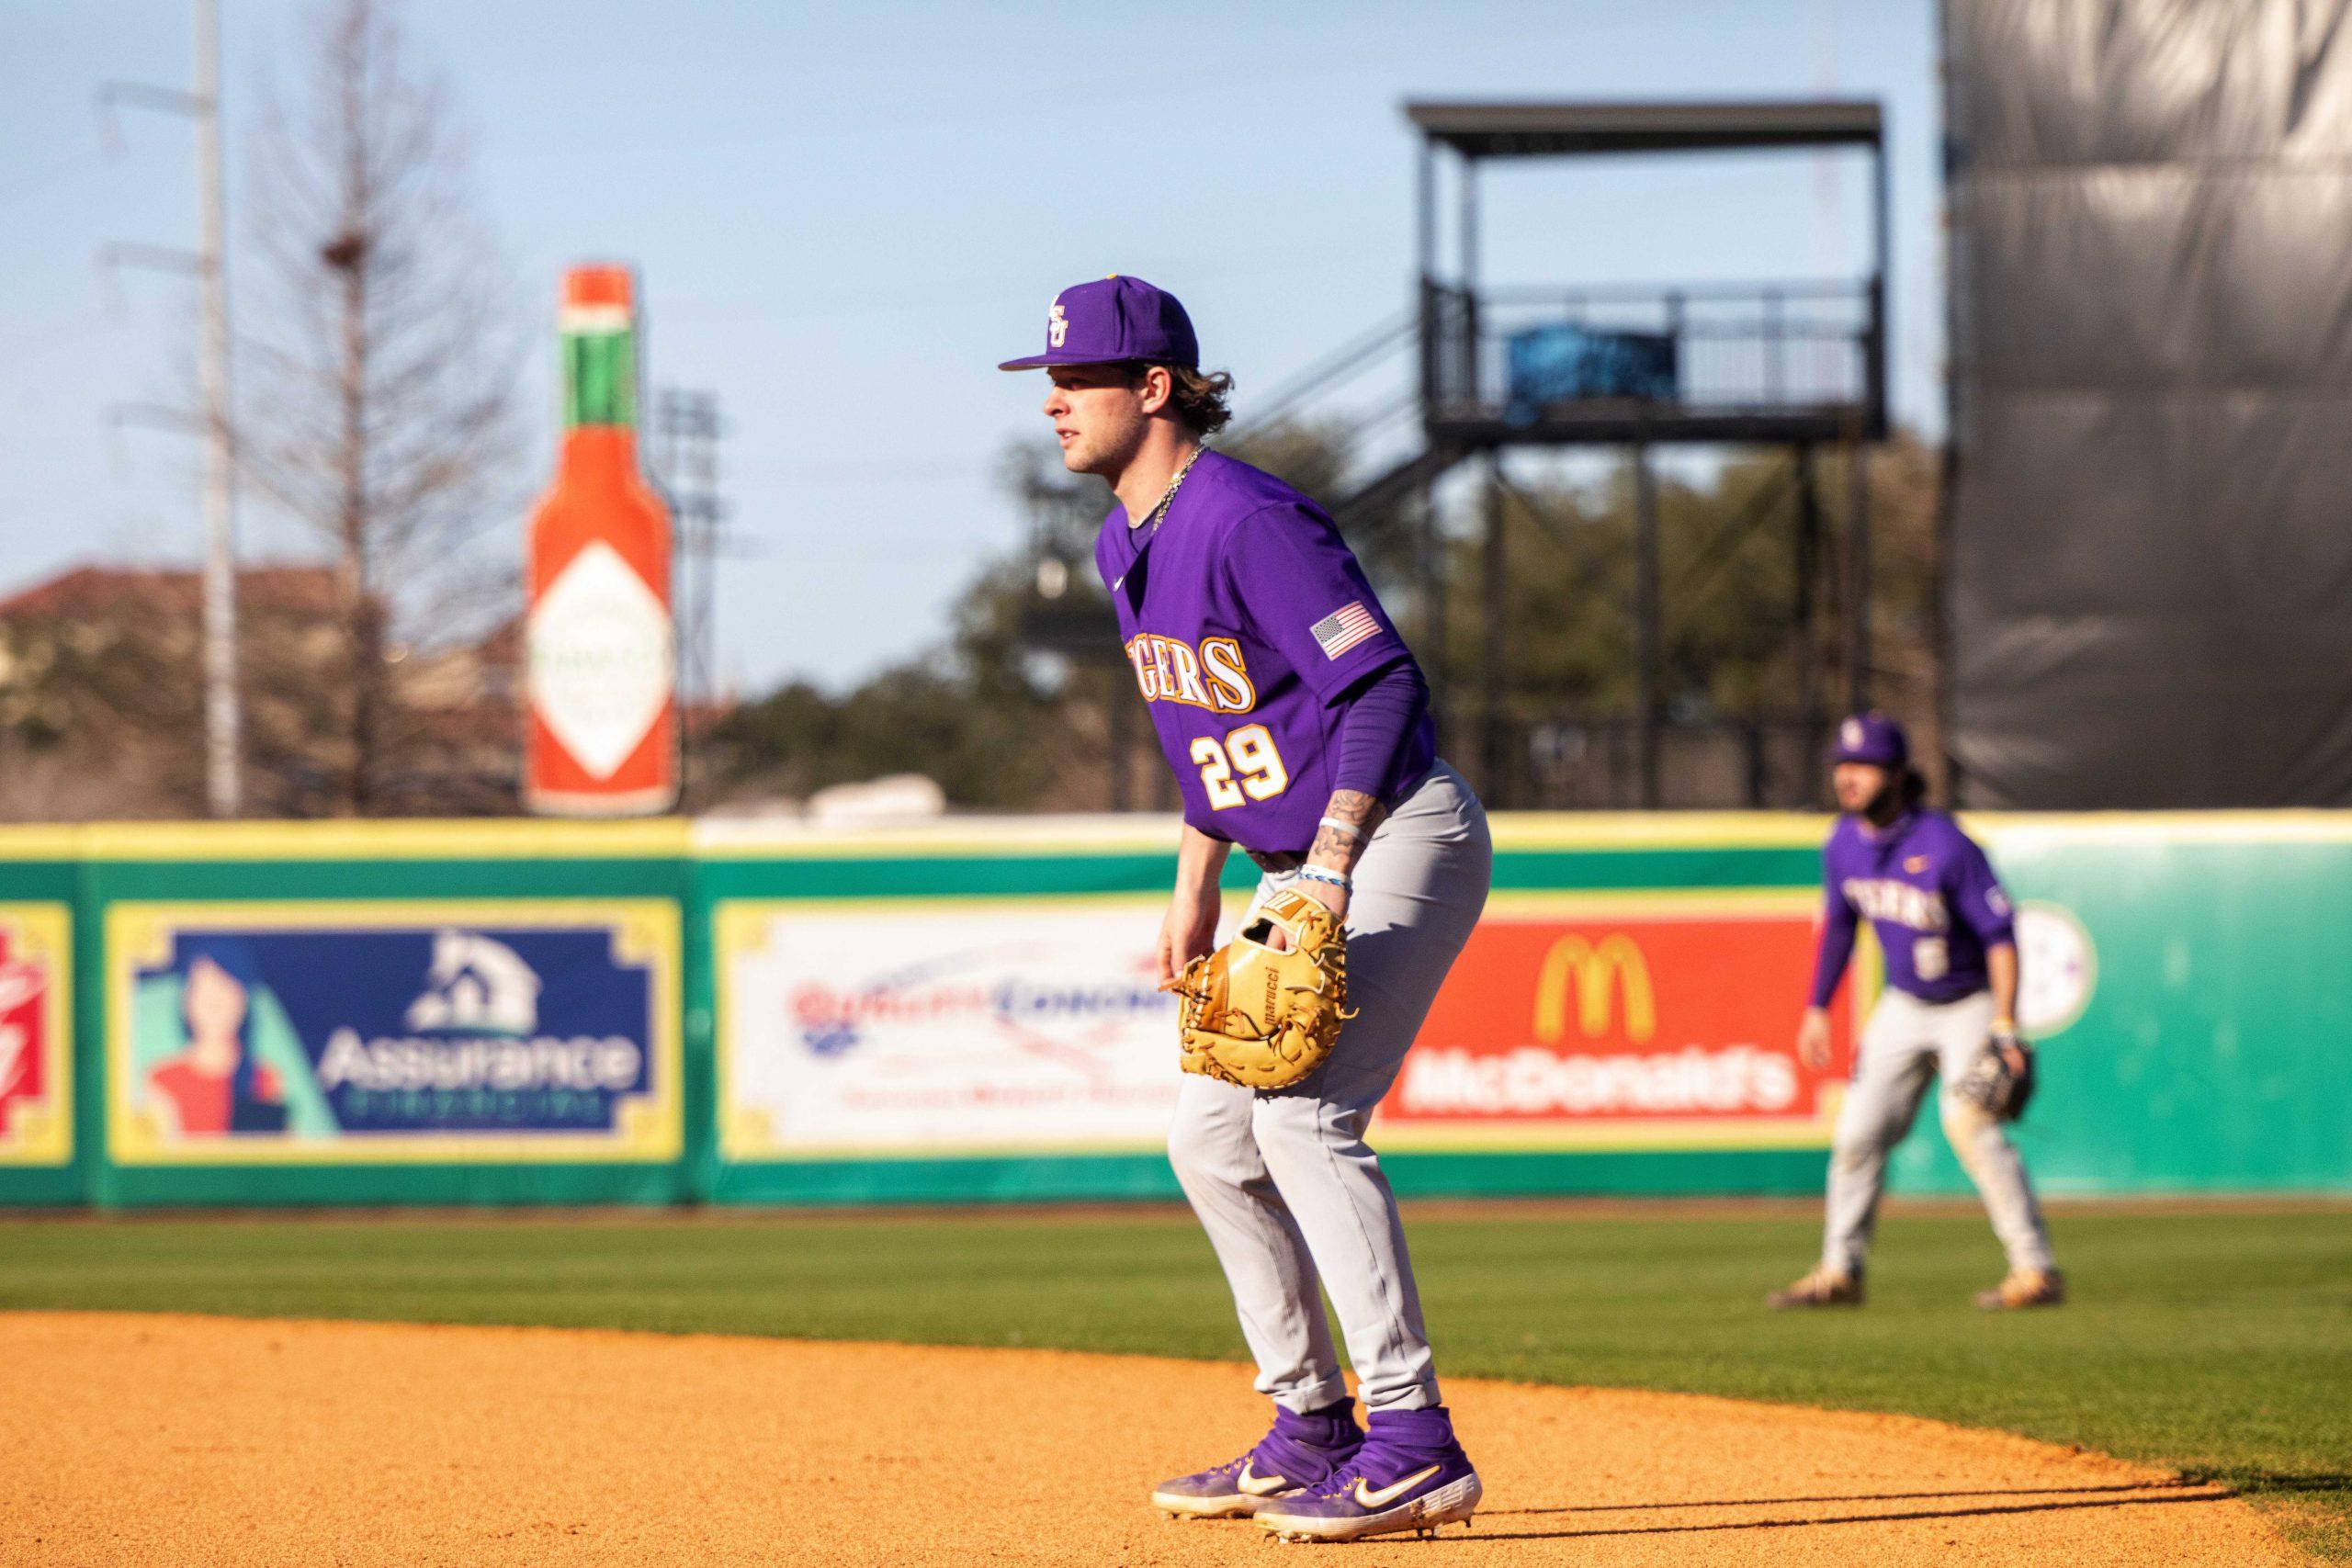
(845, 215)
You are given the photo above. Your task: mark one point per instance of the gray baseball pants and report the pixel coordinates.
(1290, 1194)
(1906, 1043)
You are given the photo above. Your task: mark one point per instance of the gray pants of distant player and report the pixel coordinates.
(1283, 1182)
(1907, 1042)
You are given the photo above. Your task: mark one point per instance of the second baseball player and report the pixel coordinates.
(1945, 926)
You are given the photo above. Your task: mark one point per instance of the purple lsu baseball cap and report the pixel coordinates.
(1871, 738)
(1115, 318)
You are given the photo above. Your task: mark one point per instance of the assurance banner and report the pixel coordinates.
(941, 1027)
(35, 1036)
(356, 1032)
(1659, 1020)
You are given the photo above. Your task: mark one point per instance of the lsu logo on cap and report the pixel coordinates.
(1849, 735)
(1056, 325)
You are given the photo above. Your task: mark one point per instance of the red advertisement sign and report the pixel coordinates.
(35, 1114)
(1644, 1022)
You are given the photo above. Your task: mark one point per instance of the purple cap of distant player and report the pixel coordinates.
(1117, 318)
(1871, 738)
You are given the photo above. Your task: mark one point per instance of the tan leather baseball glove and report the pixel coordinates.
(1261, 1018)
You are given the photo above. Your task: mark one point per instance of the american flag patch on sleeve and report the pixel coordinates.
(1343, 629)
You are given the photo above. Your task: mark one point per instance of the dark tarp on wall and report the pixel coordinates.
(2151, 567)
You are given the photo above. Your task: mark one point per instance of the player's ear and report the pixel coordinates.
(1155, 388)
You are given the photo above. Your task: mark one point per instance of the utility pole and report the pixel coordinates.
(688, 427)
(223, 748)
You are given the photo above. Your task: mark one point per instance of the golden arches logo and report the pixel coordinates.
(1577, 964)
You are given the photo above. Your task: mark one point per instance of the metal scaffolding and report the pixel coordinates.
(1798, 365)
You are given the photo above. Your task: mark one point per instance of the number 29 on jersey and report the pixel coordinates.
(1243, 767)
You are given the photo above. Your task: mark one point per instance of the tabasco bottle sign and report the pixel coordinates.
(602, 736)
(600, 659)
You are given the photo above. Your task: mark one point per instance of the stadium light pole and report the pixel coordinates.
(223, 722)
(223, 746)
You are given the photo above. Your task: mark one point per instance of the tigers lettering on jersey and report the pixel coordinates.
(1211, 676)
(1899, 903)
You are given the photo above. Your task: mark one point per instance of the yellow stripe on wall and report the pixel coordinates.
(492, 838)
(725, 838)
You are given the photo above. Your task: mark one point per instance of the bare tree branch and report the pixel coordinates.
(376, 377)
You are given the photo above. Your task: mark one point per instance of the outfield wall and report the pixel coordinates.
(522, 1012)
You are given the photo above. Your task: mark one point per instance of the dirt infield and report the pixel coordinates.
(202, 1440)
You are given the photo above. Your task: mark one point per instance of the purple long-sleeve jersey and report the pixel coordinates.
(1250, 626)
(1931, 899)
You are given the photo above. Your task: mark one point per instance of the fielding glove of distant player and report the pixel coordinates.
(1262, 1019)
(2001, 1078)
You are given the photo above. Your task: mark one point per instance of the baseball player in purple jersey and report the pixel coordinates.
(1943, 924)
(1298, 724)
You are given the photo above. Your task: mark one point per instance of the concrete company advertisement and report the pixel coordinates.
(935, 1027)
(1659, 1022)
(356, 1032)
(36, 1077)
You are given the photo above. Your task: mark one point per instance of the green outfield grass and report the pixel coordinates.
(2215, 1341)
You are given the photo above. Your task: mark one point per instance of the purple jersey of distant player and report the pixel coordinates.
(1248, 622)
(1931, 899)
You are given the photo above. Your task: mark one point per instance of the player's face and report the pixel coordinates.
(1098, 416)
(1857, 784)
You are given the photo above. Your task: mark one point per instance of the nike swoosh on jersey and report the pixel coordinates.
(1366, 1498)
(1258, 1485)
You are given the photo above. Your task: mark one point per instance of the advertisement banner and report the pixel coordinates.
(941, 1027)
(599, 646)
(359, 1032)
(36, 1040)
(1626, 1021)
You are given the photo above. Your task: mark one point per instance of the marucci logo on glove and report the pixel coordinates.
(1262, 1017)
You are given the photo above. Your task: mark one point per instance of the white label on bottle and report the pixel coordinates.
(599, 651)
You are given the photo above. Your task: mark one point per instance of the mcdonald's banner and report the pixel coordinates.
(1624, 1022)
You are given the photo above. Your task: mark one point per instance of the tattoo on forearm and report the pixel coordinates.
(1332, 847)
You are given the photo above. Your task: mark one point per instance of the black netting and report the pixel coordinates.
(2152, 271)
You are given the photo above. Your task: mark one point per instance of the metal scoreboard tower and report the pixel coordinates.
(1799, 365)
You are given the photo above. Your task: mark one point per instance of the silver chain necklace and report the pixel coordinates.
(1158, 513)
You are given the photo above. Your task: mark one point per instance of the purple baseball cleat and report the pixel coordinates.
(1300, 1452)
(1409, 1475)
